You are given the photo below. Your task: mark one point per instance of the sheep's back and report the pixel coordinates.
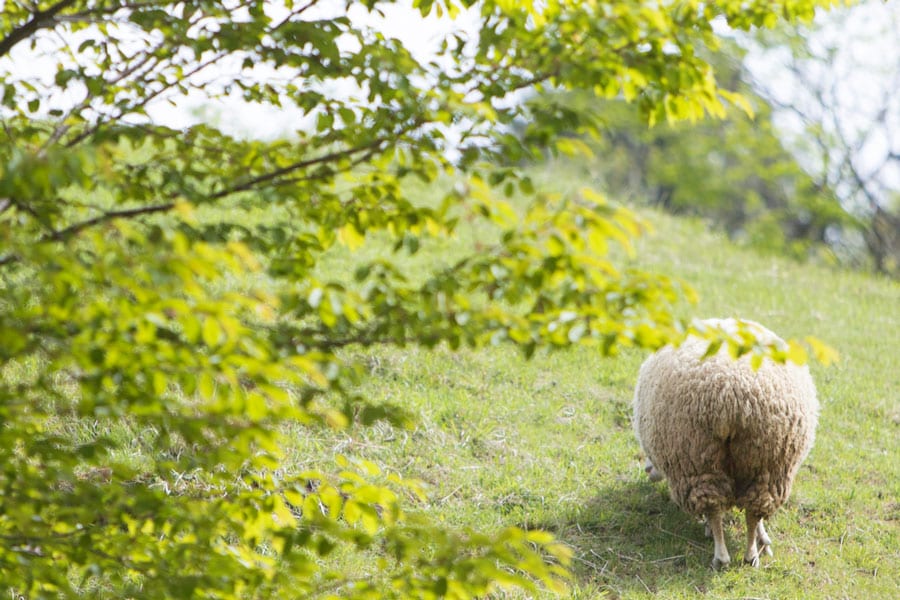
(723, 433)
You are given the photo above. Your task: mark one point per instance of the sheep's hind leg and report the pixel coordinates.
(720, 553)
(751, 556)
(758, 541)
(763, 540)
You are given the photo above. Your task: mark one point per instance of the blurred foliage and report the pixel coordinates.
(163, 316)
(734, 171)
(836, 97)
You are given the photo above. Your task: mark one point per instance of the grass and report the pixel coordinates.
(548, 443)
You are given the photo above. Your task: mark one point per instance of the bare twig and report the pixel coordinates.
(681, 537)
(668, 559)
(649, 591)
(450, 495)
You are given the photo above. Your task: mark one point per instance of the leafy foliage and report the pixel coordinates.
(163, 295)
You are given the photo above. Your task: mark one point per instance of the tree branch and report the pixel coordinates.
(63, 127)
(124, 110)
(90, 15)
(271, 178)
(63, 234)
(39, 20)
(307, 178)
(310, 162)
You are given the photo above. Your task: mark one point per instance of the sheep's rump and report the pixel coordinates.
(723, 434)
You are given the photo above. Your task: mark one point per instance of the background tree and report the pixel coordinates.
(833, 84)
(734, 171)
(165, 314)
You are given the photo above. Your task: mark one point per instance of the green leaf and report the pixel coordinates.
(796, 353)
(206, 386)
(824, 354)
(212, 332)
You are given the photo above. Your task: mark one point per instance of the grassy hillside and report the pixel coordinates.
(548, 442)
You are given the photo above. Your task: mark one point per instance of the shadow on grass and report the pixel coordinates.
(630, 538)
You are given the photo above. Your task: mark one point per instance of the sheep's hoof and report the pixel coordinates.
(754, 562)
(767, 549)
(718, 564)
(652, 472)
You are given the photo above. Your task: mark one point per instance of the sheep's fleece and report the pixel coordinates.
(724, 435)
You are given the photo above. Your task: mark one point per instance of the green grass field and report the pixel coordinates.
(547, 443)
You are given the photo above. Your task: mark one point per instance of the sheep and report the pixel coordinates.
(723, 434)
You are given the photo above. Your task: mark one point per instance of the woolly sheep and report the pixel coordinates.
(725, 435)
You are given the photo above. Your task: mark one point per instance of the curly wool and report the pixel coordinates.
(722, 433)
